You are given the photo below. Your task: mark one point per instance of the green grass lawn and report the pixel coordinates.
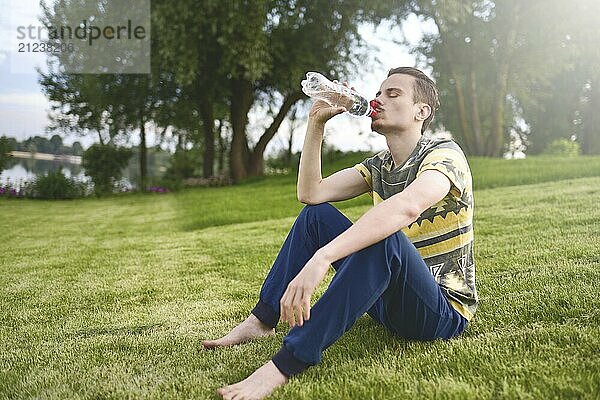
(111, 298)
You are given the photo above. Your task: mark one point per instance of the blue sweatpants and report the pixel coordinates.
(388, 280)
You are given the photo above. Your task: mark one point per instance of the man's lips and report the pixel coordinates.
(376, 109)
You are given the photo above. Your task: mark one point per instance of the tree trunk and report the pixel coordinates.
(475, 117)
(462, 113)
(496, 139)
(590, 143)
(208, 125)
(221, 160)
(143, 154)
(447, 53)
(289, 152)
(293, 120)
(257, 164)
(179, 142)
(241, 102)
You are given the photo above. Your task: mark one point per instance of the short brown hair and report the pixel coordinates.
(424, 89)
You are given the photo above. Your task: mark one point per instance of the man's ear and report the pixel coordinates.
(424, 112)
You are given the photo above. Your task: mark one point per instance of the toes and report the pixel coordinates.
(225, 393)
(211, 344)
(238, 396)
(224, 390)
(232, 394)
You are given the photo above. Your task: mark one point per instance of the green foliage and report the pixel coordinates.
(104, 164)
(283, 161)
(496, 63)
(6, 146)
(208, 66)
(332, 160)
(563, 147)
(54, 186)
(157, 161)
(182, 164)
(552, 117)
(567, 104)
(77, 149)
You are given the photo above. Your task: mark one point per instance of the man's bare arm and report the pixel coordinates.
(389, 216)
(312, 188)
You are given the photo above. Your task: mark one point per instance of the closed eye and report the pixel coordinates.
(391, 92)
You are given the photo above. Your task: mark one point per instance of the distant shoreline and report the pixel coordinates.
(67, 158)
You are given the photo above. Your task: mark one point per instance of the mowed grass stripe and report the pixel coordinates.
(275, 197)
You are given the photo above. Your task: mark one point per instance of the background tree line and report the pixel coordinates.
(40, 144)
(508, 71)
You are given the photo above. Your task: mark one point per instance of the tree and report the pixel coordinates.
(104, 164)
(215, 68)
(260, 61)
(77, 149)
(485, 57)
(551, 116)
(190, 45)
(109, 105)
(6, 146)
(570, 99)
(56, 144)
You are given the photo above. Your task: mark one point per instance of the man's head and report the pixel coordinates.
(407, 97)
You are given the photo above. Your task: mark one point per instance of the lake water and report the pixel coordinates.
(23, 170)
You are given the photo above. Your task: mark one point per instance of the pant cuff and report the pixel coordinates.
(287, 363)
(265, 314)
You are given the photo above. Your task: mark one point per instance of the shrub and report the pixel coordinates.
(54, 185)
(183, 164)
(104, 164)
(279, 162)
(563, 147)
(169, 183)
(9, 191)
(6, 147)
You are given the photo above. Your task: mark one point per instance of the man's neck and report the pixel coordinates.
(401, 145)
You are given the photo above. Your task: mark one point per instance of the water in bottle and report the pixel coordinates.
(337, 95)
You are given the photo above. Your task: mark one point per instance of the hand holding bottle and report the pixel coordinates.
(321, 112)
(337, 95)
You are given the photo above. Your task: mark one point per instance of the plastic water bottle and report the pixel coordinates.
(337, 95)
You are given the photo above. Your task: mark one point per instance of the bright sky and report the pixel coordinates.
(23, 107)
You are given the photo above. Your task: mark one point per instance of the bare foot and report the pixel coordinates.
(257, 386)
(251, 328)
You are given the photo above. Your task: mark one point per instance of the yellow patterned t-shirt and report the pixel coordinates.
(443, 234)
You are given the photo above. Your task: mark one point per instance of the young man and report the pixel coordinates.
(407, 262)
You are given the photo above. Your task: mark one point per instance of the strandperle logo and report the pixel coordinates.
(84, 31)
(85, 37)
